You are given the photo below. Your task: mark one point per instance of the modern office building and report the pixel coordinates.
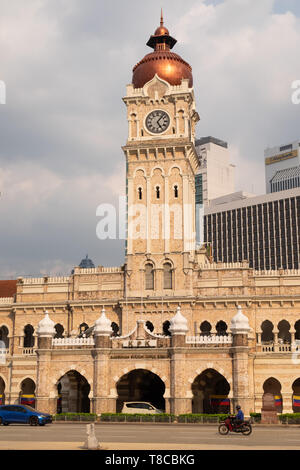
(282, 167)
(265, 230)
(215, 175)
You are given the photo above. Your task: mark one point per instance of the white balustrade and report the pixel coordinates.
(209, 340)
(28, 351)
(6, 300)
(73, 342)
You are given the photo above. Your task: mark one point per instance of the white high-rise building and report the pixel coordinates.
(282, 167)
(216, 175)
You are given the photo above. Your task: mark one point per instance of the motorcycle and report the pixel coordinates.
(228, 425)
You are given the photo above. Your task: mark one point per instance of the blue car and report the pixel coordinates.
(23, 414)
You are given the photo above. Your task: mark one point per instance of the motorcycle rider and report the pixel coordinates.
(239, 417)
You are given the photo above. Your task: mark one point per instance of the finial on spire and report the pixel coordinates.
(161, 18)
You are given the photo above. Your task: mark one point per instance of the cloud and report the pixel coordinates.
(66, 64)
(244, 61)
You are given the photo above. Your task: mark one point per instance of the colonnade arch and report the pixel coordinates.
(210, 393)
(140, 385)
(273, 386)
(27, 392)
(2, 391)
(73, 393)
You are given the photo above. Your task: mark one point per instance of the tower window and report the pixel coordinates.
(149, 277)
(176, 191)
(140, 192)
(157, 189)
(167, 276)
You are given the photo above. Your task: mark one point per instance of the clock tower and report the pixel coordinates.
(161, 163)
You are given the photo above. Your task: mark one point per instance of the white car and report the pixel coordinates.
(140, 407)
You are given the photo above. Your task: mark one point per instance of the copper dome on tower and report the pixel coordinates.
(166, 64)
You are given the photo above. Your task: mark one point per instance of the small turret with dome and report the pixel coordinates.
(102, 331)
(179, 324)
(46, 327)
(166, 64)
(240, 323)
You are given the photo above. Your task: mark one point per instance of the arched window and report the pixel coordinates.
(4, 336)
(284, 335)
(115, 328)
(59, 331)
(167, 276)
(149, 326)
(28, 336)
(157, 189)
(83, 327)
(205, 328)
(267, 335)
(176, 191)
(166, 326)
(297, 328)
(149, 277)
(221, 328)
(140, 193)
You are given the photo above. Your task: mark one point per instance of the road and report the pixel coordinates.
(146, 437)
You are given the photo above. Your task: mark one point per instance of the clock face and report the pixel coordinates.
(157, 121)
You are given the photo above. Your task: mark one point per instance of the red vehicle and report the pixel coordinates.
(228, 425)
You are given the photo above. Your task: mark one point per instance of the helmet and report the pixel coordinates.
(238, 407)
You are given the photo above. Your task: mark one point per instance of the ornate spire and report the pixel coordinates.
(240, 323)
(103, 325)
(161, 18)
(178, 324)
(46, 327)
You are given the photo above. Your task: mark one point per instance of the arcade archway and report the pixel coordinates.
(273, 386)
(27, 393)
(141, 385)
(2, 391)
(210, 393)
(73, 393)
(296, 396)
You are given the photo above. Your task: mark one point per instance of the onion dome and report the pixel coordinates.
(240, 323)
(103, 325)
(178, 324)
(86, 263)
(46, 327)
(166, 64)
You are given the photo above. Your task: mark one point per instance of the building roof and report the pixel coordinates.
(288, 173)
(211, 140)
(8, 288)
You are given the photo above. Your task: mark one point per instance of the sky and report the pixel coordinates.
(66, 64)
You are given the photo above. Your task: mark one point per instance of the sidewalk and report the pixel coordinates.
(118, 446)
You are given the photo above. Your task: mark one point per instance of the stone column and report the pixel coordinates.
(240, 353)
(287, 400)
(102, 401)
(179, 402)
(45, 334)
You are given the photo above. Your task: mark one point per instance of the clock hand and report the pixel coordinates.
(158, 122)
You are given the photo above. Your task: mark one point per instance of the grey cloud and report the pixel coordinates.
(66, 64)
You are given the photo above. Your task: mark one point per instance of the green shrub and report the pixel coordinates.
(134, 418)
(289, 418)
(201, 418)
(75, 417)
(255, 417)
